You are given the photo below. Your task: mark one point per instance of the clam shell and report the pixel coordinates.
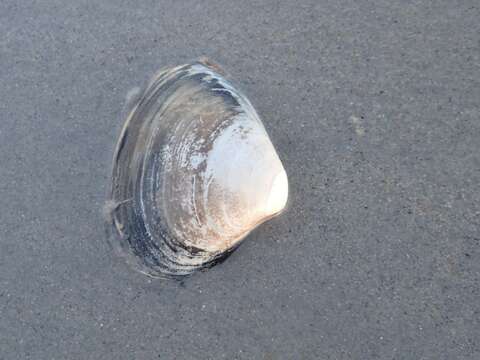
(194, 172)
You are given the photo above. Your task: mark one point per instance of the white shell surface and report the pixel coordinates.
(242, 184)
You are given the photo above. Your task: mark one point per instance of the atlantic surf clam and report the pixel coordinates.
(194, 172)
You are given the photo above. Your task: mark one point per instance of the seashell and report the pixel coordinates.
(194, 172)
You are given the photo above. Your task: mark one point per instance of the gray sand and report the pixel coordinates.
(374, 110)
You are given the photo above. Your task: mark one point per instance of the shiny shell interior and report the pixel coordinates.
(194, 172)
